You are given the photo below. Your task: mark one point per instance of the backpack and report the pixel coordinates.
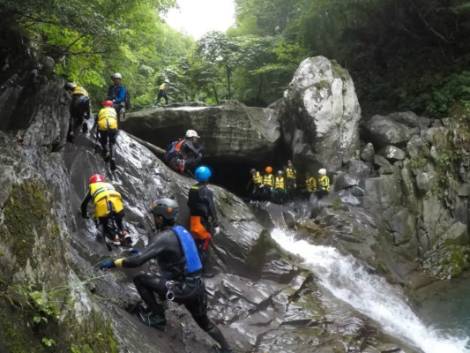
(173, 150)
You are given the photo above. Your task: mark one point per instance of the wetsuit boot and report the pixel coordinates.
(150, 318)
(217, 336)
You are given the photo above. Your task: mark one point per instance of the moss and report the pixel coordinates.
(323, 84)
(339, 71)
(448, 261)
(25, 217)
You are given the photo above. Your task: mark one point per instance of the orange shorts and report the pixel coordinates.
(197, 228)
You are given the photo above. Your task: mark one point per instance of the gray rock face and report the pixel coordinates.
(368, 152)
(393, 153)
(228, 132)
(385, 130)
(320, 114)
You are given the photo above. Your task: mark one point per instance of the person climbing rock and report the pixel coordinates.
(255, 183)
(310, 183)
(109, 209)
(323, 183)
(291, 178)
(118, 94)
(180, 266)
(107, 131)
(184, 155)
(203, 216)
(80, 110)
(268, 183)
(162, 92)
(279, 192)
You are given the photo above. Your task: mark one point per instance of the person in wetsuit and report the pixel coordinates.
(180, 280)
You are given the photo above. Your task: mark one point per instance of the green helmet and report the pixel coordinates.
(167, 208)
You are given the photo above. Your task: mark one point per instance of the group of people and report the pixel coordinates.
(181, 254)
(282, 186)
(108, 118)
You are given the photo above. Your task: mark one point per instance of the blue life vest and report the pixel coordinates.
(193, 262)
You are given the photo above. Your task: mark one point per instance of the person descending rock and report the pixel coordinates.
(117, 93)
(255, 184)
(203, 216)
(279, 192)
(184, 154)
(162, 92)
(80, 110)
(268, 183)
(323, 183)
(109, 209)
(107, 131)
(176, 254)
(291, 178)
(310, 183)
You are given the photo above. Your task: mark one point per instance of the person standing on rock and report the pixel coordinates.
(107, 131)
(80, 110)
(310, 184)
(279, 192)
(180, 266)
(117, 93)
(109, 208)
(203, 216)
(323, 183)
(185, 154)
(255, 183)
(268, 183)
(291, 178)
(162, 92)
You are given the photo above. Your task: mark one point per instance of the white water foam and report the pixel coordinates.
(369, 294)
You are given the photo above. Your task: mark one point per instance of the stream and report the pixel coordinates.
(371, 295)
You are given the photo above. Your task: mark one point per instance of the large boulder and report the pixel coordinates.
(232, 132)
(320, 114)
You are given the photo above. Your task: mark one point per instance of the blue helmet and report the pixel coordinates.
(203, 173)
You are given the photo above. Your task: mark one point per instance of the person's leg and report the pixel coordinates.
(106, 230)
(112, 141)
(165, 96)
(147, 286)
(103, 139)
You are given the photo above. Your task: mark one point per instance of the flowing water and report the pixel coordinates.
(369, 294)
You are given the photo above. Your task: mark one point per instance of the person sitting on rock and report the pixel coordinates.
(268, 183)
(203, 216)
(255, 183)
(108, 208)
(162, 92)
(279, 192)
(310, 183)
(107, 131)
(117, 93)
(291, 178)
(323, 183)
(180, 266)
(80, 110)
(185, 154)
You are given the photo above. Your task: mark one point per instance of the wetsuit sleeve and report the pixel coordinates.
(152, 251)
(85, 202)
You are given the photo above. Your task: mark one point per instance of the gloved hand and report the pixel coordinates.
(216, 230)
(106, 264)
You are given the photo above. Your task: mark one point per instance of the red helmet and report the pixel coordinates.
(96, 178)
(107, 103)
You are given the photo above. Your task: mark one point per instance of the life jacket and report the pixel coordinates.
(192, 260)
(107, 119)
(291, 173)
(257, 178)
(79, 91)
(279, 183)
(268, 180)
(163, 87)
(173, 150)
(324, 183)
(311, 184)
(106, 199)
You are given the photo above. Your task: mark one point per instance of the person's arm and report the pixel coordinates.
(84, 204)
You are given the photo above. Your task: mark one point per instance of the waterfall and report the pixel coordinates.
(369, 294)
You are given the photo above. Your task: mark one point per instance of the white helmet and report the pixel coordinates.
(322, 171)
(191, 133)
(116, 75)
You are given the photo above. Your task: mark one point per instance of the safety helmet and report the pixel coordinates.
(96, 178)
(70, 85)
(166, 208)
(191, 133)
(268, 170)
(253, 170)
(116, 75)
(107, 103)
(322, 171)
(279, 172)
(203, 173)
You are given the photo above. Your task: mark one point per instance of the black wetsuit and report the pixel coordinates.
(192, 155)
(188, 290)
(201, 203)
(79, 111)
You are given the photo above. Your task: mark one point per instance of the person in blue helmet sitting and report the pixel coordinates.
(203, 222)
